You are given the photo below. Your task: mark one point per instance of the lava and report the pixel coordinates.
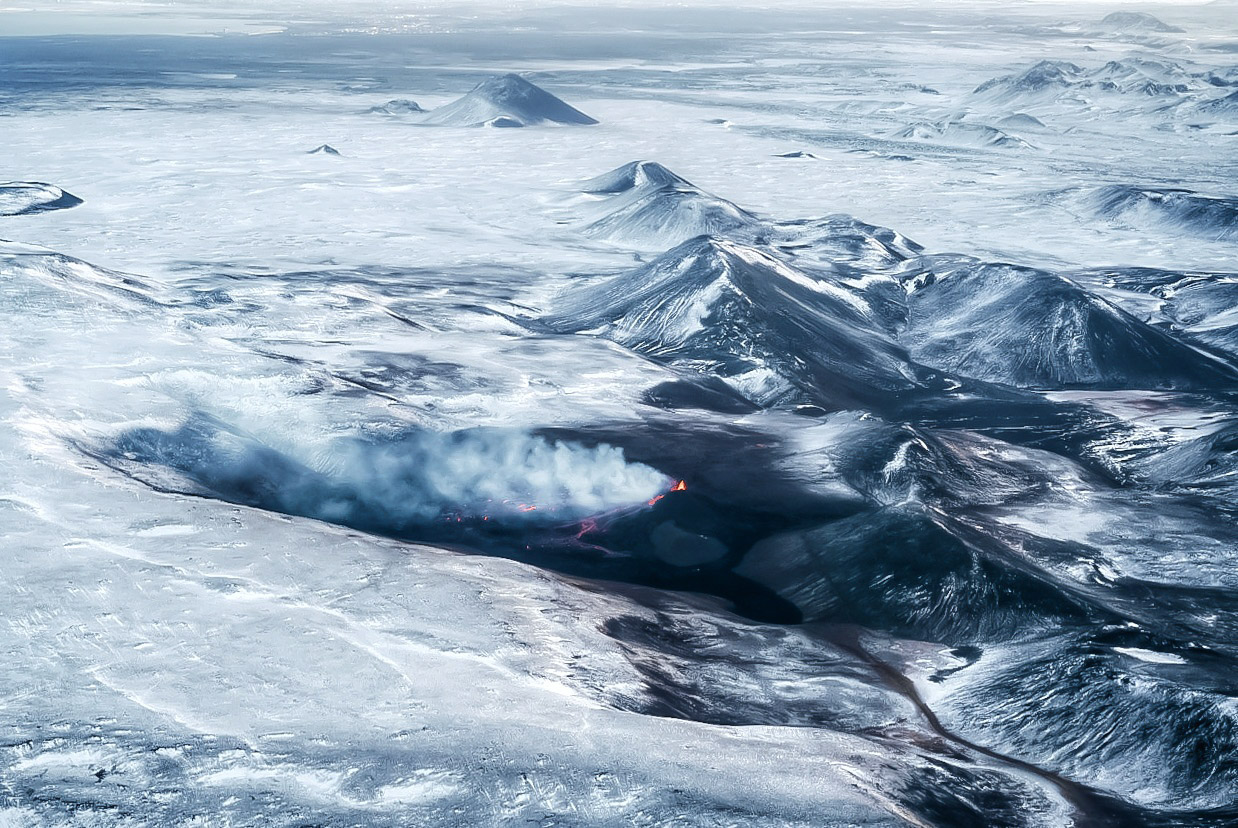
(681, 486)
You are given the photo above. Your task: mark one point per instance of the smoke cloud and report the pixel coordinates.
(415, 479)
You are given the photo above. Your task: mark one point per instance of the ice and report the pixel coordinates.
(1150, 656)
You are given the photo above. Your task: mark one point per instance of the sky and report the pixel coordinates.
(61, 17)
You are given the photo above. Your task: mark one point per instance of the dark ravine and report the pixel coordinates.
(1092, 809)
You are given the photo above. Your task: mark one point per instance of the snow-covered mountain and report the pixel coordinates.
(1032, 328)
(777, 334)
(506, 101)
(1138, 22)
(645, 204)
(1157, 80)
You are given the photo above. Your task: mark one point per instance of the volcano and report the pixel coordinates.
(648, 205)
(509, 100)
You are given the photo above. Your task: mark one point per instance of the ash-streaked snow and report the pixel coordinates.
(842, 429)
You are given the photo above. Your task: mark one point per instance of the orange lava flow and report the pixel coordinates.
(681, 486)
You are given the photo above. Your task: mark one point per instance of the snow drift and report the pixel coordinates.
(962, 133)
(1212, 217)
(22, 197)
(398, 106)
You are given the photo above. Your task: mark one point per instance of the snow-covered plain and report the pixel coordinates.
(342, 488)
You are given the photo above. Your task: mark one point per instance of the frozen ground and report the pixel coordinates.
(343, 488)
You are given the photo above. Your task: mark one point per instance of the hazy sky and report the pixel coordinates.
(35, 17)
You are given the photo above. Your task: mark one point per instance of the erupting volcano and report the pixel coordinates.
(678, 487)
(350, 488)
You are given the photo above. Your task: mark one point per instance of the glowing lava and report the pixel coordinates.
(678, 487)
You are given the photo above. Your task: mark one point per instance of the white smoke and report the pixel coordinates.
(497, 473)
(396, 484)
